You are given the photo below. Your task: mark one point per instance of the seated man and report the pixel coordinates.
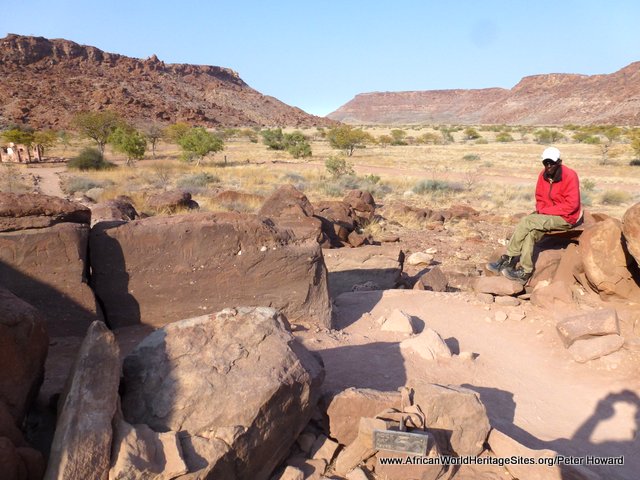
(557, 208)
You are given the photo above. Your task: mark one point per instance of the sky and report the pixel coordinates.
(318, 54)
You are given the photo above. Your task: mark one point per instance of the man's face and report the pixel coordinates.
(551, 167)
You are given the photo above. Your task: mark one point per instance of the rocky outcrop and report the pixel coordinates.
(118, 209)
(23, 350)
(44, 261)
(551, 99)
(236, 386)
(82, 443)
(162, 269)
(290, 209)
(631, 231)
(45, 82)
(171, 201)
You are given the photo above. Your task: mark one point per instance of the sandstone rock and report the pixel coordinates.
(498, 285)
(398, 321)
(500, 316)
(361, 447)
(338, 220)
(118, 209)
(171, 201)
(504, 446)
(347, 407)
(312, 469)
(306, 441)
(10, 461)
(366, 287)
(357, 474)
(291, 209)
(434, 280)
(9, 428)
(507, 301)
(631, 230)
(140, 453)
(457, 410)
(23, 351)
(60, 290)
(21, 211)
(419, 258)
(223, 259)
(82, 442)
(548, 295)
(230, 197)
(428, 345)
(33, 462)
(459, 212)
(599, 322)
(355, 266)
(606, 262)
(357, 239)
(590, 348)
(291, 473)
(362, 203)
(200, 377)
(485, 297)
(324, 448)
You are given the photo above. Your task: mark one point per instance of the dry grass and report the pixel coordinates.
(495, 177)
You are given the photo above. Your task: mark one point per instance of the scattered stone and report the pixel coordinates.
(81, 445)
(23, 350)
(361, 448)
(457, 411)
(388, 239)
(290, 209)
(497, 286)
(419, 258)
(434, 280)
(506, 301)
(216, 358)
(362, 203)
(429, 345)
(398, 321)
(466, 356)
(504, 447)
(118, 209)
(500, 316)
(583, 350)
(171, 201)
(517, 315)
(599, 322)
(291, 473)
(312, 469)
(485, 297)
(347, 407)
(324, 448)
(305, 441)
(357, 474)
(366, 287)
(545, 295)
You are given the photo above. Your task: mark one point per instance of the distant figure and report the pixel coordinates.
(557, 208)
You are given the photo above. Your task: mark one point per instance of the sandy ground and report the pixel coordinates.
(532, 389)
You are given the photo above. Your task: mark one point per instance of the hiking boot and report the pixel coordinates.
(516, 274)
(503, 262)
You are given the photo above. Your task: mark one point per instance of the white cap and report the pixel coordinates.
(551, 153)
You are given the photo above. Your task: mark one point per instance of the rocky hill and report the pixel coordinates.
(44, 82)
(554, 99)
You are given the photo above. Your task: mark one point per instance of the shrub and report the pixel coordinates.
(588, 185)
(471, 133)
(89, 159)
(297, 145)
(436, 186)
(635, 162)
(338, 166)
(197, 180)
(504, 137)
(481, 141)
(614, 197)
(547, 135)
(82, 184)
(471, 157)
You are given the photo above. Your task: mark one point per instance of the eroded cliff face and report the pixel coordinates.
(554, 99)
(44, 82)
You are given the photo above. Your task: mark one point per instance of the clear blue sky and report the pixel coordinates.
(317, 55)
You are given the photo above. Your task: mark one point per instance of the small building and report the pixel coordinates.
(17, 153)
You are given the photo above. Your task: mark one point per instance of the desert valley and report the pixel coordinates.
(198, 281)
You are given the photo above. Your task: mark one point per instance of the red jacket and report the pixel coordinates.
(559, 195)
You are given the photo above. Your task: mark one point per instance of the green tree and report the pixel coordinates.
(297, 145)
(337, 166)
(98, 126)
(153, 132)
(471, 133)
(130, 142)
(198, 143)
(546, 135)
(398, 137)
(634, 136)
(273, 139)
(347, 138)
(44, 140)
(173, 133)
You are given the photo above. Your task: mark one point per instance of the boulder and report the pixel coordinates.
(598, 322)
(338, 221)
(118, 209)
(456, 417)
(362, 203)
(60, 291)
(23, 350)
(591, 348)
(345, 408)
(398, 321)
(171, 201)
(631, 231)
(429, 345)
(497, 285)
(219, 259)
(81, 445)
(459, 212)
(434, 280)
(357, 239)
(236, 385)
(232, 197)
(356, 266)
(290, 209)
(22, 211)
(606, 263)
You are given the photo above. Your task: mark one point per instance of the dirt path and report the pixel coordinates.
(48, 179)
(532, 389)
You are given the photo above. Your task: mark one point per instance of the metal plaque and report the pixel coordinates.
(405, 442)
